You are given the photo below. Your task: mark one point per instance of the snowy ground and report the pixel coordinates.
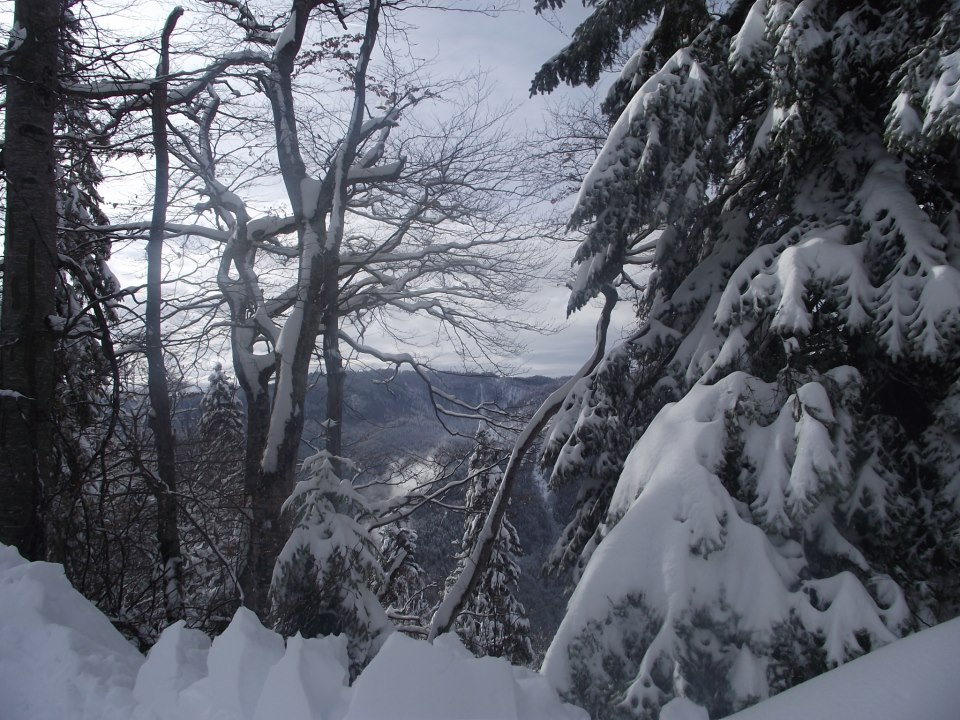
(60, 659)
(916, 677)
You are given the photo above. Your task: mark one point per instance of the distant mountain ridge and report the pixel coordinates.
(386, 412)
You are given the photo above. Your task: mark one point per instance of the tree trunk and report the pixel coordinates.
(321, 232)
(270, 481)
(277, 475)
(255, 553)
(168, 533)
(27, 342)
(333, 362)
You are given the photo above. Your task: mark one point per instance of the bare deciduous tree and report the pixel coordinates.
(385, 216)
(429, 232)
(168, 534)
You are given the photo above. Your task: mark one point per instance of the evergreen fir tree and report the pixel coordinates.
(787, 170)
(403, 583)
(323, 578)
(493, 622)
(221, 413)
(215, 506)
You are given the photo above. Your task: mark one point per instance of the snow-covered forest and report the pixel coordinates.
(269, 273)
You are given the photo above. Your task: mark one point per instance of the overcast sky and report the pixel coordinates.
(509, 48)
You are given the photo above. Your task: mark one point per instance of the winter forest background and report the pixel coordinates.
(303, 407)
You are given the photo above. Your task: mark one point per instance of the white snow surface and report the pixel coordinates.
(915, 677)
(413, 680)
(61, 659)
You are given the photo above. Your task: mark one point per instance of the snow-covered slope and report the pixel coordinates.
(61, 659)
(916, 677)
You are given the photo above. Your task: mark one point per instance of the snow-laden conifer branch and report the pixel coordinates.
(781, 166)
(457, 594)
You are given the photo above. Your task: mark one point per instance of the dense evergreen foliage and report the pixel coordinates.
(493, 622)
(323, 581)
(782, 186)
(402, 593)
(214, 509)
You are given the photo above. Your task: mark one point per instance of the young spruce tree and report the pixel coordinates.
(215, 506)
(403, 578)
(769, 463)
(493, 622)
(323, 578)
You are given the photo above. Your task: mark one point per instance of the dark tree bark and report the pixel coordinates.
(168, 535)
(270, 486)
(27, 341)
(258, 550)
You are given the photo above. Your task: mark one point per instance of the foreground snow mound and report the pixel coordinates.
(413, 680)
(61, 659)
(915, 677)
(178, 660)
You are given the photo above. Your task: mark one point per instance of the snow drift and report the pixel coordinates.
(61, 659)
(915, 677)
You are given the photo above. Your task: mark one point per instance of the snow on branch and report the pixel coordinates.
(13, 395)
(377, 173)
(459, 592)
(779, 277)
(171, 230)
(913, 306)
(138, 91)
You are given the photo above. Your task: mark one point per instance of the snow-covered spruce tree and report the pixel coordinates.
(323, 578)
(221, 412)
(492, 622)
(782, 179)
(214, 506)
(403, 578)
